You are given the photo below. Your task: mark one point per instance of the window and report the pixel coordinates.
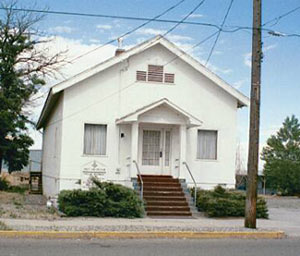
(207, 144)
(95, 139)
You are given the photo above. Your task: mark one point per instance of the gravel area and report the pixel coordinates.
(283, 211)
(27, 206)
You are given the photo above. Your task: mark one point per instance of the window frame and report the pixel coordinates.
(217, 145)
(106, 138)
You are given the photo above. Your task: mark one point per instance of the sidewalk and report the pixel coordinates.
(145, 224)
(135, 228)
(284, 216)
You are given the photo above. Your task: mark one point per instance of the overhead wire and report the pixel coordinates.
(130, 31)
(219, 32)
(278, 18)
(133, 83)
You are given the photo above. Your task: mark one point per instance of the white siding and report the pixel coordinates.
(114, 93)
(52, 144)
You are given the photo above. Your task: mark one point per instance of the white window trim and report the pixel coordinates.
(83, 131)
(217, 147)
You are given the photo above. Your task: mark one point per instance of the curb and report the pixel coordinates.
(141, 235)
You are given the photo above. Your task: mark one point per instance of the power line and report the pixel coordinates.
(110, 16)
(130, 31)
(131, 84)
(219, 33)
(277, 19)
(185, 17)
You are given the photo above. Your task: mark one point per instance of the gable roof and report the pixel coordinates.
(241, 98)
(132, 117)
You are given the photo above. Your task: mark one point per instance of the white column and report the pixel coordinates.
(182, 158)
(134, 147)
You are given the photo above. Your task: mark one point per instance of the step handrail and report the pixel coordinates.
(195, 184)
(141, 179)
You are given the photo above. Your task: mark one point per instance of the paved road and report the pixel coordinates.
(163, 247)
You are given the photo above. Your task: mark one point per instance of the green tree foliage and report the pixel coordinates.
(282, 158)
(23, 68)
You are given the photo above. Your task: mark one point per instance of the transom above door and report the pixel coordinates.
(155, 150)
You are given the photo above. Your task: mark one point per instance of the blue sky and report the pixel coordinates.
(230, 60)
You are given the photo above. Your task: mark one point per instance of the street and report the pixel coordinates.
(211, 247)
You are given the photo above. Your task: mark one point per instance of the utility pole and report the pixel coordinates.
(253, 152)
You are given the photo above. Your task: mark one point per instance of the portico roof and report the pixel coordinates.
(134, 116)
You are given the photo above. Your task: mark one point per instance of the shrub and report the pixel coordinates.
(105, 199)
(226, 203)
(4, 184)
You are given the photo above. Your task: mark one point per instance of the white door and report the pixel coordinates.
(156, 151)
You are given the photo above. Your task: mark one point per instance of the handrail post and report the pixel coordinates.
(142, 183)
(195, 184)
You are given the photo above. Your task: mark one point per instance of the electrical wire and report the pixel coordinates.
(130, 31)
(277, 19)
(129, 85)
(219, 32)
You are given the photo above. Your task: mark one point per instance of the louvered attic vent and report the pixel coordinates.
(141, 76)
(169, 78)
(155, 74)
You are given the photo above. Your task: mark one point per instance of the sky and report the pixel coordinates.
(231, 58)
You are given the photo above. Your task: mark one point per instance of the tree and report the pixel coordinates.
(23, 69)
(282, 158)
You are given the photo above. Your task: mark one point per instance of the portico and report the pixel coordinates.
(158, 138)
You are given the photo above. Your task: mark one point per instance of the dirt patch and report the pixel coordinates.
(25, 206)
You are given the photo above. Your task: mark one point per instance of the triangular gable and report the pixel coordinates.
(242, 99)
(134, 116)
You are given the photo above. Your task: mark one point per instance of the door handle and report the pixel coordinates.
(160, 154)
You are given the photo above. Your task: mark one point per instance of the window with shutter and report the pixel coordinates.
(155, 73)
(207, 144)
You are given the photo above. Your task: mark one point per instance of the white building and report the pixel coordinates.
(152, 104)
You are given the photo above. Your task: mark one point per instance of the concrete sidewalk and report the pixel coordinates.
(145, 224)
(283, 216)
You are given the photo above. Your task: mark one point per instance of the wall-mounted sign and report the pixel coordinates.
(92, 170)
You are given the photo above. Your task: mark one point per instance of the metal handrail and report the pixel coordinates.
(195, 184)
(140, 175)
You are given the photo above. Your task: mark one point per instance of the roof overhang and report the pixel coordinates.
(134, 116)
(242, 100)
(47, 108)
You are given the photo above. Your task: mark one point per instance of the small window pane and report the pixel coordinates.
(95, 139)
(151, 148)
(207, 144)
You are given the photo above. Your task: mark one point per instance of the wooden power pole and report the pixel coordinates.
(253, 152)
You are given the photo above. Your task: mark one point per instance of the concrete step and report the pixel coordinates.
(169, 213)
(166, 203)
(164, 198)
(161, 184)
(167, 208)
(164, 193)
(161, 189)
